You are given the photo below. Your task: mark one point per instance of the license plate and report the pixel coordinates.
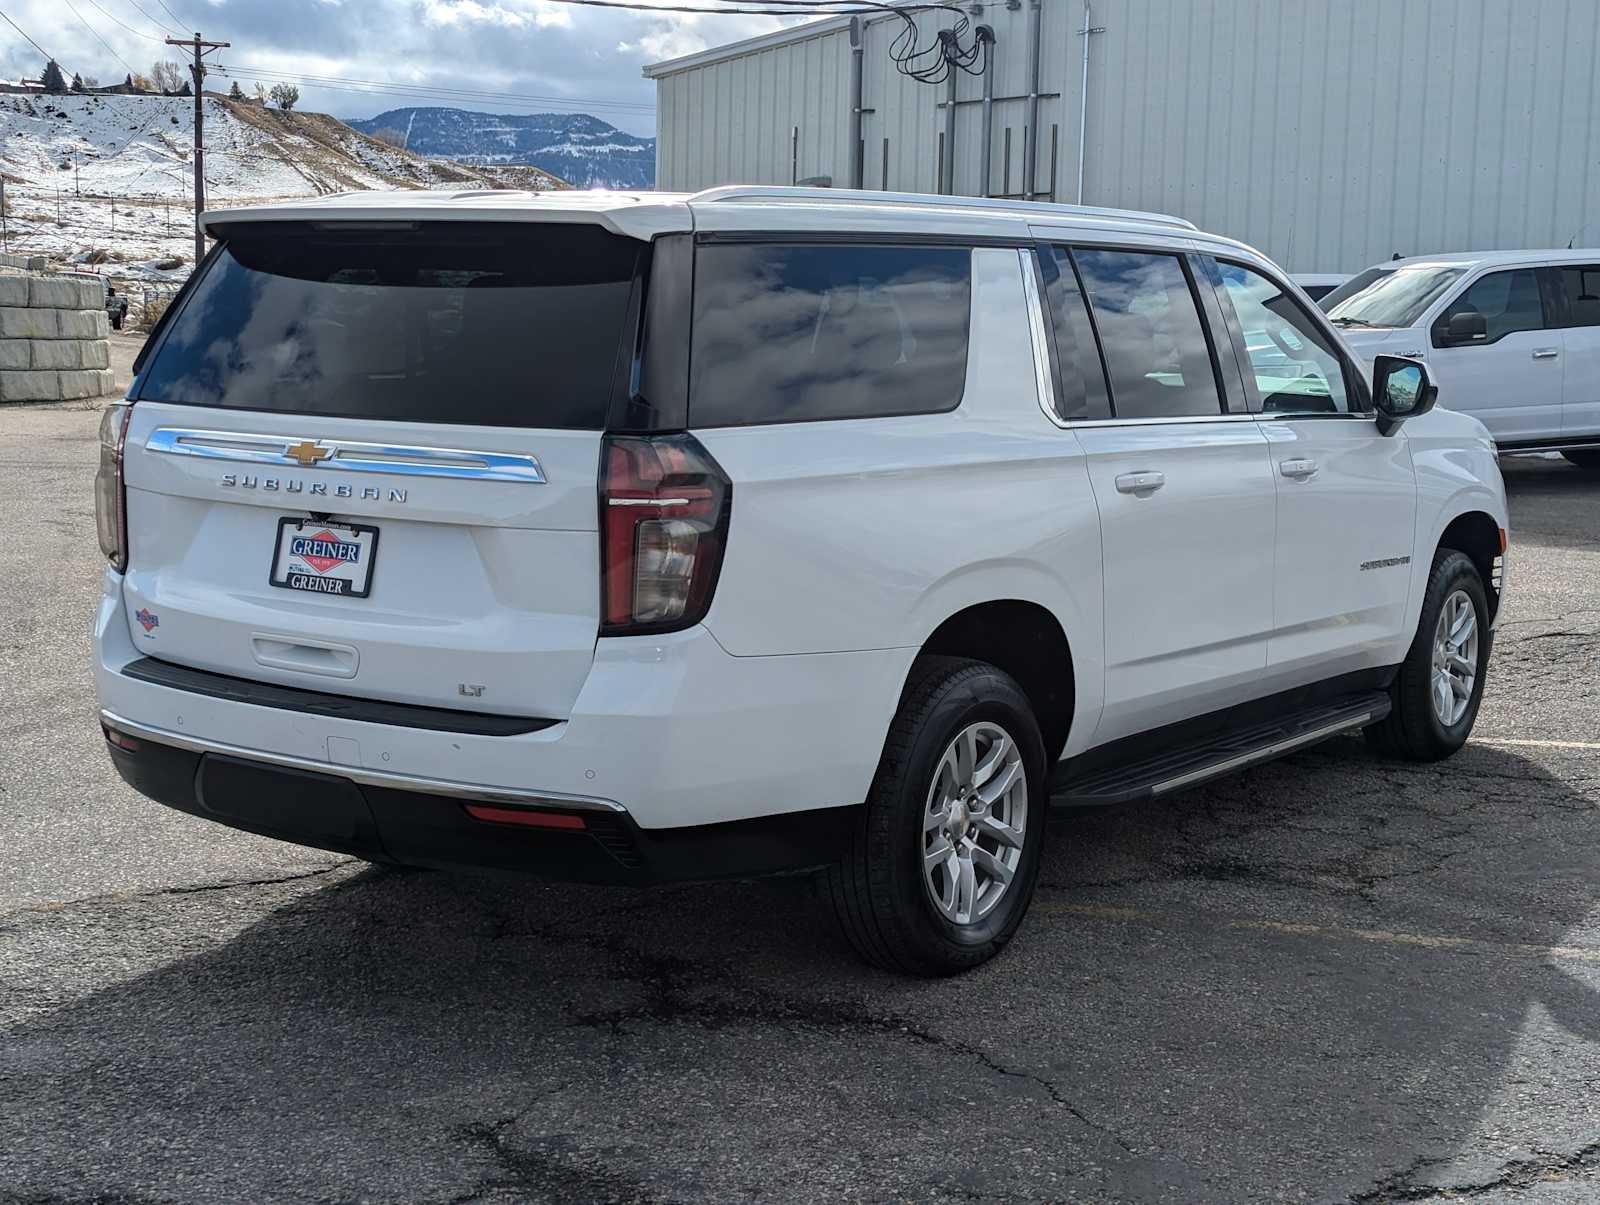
(324, 558)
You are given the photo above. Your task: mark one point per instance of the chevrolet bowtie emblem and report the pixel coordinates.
(307, 453)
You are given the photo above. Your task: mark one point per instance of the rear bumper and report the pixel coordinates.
(670, 730)
(575, 842)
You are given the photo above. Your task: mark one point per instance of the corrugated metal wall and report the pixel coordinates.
(734, 121)
(1330, 133)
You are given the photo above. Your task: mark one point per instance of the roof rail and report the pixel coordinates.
(852, 196)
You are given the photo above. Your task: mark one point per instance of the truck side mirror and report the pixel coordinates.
(1466, 326)
(1401, 389)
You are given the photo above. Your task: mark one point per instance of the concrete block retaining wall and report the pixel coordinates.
(53, 333)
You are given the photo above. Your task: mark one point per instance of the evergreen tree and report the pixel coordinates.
(52, 78)
(235, 92)
(77, 82)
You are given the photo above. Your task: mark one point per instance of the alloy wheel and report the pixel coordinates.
(1455, 658)
(974, 823)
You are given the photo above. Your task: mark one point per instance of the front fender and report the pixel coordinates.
(1458, 473)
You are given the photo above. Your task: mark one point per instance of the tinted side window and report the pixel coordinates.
(1508, 301)
(1083, 381)
(1583, 294)
(1156, 350)
(1293, 364)
(787, 332)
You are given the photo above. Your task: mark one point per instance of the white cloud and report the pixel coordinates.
(585, 59)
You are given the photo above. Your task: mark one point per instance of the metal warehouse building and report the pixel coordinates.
(1329, 133)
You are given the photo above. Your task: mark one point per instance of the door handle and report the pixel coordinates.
(1140, 483)
(1545, 353)
(1299, 469)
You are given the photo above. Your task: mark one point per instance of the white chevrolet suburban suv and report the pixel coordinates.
(1510, 337)
(634, 538)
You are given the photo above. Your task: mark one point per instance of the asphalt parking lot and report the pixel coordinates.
(1330, 979)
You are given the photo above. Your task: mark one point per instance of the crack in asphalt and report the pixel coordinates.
(125, 897)
(665, 1004)
(530, 1172)
(97, 1198)
(1519, 1173)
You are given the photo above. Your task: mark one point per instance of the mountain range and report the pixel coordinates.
(580, 149)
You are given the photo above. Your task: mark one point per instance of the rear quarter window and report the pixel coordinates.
(788, 332)
(494, 325)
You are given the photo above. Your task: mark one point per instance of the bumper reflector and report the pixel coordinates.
(120, 740)
(522, 816)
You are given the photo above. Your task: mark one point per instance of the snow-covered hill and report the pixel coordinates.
(112, 175)
(587, 152)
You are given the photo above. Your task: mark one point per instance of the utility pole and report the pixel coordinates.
(200, 47)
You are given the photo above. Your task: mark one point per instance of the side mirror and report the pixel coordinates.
(1467, 326)
(1401, 389)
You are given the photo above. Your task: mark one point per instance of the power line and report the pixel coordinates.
(48, 56)
(844, 8)
(143, 12)
(171, 14)
(98, 38)
(118, 21)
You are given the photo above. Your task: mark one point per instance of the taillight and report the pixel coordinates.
(110, 495)
(664, 506)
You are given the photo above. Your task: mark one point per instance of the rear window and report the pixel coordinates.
(792, 333)
(498, 325)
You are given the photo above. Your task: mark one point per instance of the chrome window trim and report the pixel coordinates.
(349, 455)
(1033, 297)
(1163, 421)
(1264, 416)
(359, 774)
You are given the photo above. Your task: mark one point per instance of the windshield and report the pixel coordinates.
(1387, 296)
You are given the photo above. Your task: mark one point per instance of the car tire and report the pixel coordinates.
(1443, 653)
(1584, 458)
(964, 750)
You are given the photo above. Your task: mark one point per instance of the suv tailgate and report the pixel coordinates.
(413, 411)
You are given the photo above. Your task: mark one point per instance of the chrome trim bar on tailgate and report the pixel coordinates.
(359, 774)
(348, 455)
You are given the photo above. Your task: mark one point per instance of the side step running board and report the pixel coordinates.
(1188, 765)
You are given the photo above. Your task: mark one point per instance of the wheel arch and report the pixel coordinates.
(1026, 640)
(1477, 534)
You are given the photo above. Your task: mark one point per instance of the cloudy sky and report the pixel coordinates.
(584, 59)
